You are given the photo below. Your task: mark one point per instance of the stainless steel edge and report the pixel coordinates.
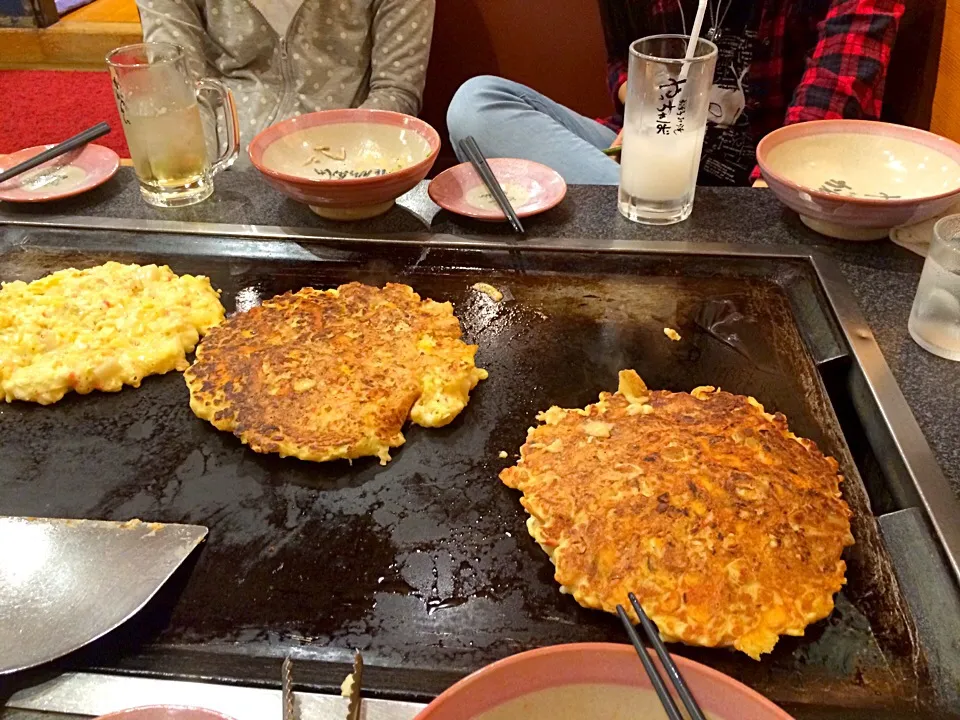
(424, 239)
(98, 694)
(133, 559)
(935, 494)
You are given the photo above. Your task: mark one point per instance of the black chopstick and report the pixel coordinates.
(669, 665)
(669, 706)
(470, 148)
(673, 672)
(88, 135)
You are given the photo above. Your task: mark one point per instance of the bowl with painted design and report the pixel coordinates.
(857, 179)
(346, 164)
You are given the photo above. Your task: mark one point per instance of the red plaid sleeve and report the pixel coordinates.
(847, 69)
(616, 76)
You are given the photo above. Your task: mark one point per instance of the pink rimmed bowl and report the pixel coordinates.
(544, 683)
(857, 179)
(164, 712)
(346, 164)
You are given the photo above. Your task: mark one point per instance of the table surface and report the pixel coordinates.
(882, 276)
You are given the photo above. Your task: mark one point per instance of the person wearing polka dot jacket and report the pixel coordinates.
(287, 57)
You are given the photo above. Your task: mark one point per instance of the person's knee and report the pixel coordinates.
(471, 105)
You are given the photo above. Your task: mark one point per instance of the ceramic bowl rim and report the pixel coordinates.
(347, 116)
(861, 127)
(121, 714)
(618, 649)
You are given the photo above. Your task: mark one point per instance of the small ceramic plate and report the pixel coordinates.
(164, 712)
(531, 187)
(93, 165)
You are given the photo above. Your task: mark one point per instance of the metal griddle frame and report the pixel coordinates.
(913, 476)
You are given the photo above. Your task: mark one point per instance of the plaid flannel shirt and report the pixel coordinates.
(813, 60)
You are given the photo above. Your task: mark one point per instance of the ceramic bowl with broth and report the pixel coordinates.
(586, 681)
(857, 179)
(346, 164)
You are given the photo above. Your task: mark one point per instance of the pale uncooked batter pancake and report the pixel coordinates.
(99, 329)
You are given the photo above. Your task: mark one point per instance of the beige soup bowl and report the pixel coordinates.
(857, 179)
(346, 164)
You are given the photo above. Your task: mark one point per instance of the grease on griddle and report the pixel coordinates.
(340, 588)
(723, 320)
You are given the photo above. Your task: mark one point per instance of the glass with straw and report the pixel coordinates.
(664, 124)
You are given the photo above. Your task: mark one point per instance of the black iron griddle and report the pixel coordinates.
(425, 564)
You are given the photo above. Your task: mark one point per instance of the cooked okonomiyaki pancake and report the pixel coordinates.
(328, 374)
(728, 527)
(99, 329)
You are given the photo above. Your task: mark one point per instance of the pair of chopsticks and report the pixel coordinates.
(78, 140)
(470, 148)
(673, 672)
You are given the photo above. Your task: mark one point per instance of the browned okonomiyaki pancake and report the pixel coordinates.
(328, 374)
(727, 526)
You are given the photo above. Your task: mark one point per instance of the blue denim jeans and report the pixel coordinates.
(508, 119)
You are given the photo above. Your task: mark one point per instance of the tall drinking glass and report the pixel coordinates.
(664, 124)
(158, 105)
(935, 318)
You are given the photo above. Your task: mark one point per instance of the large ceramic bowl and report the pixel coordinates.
(585, 681)
(346, 164)
(857, 179)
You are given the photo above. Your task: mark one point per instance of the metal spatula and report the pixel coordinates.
(64, 583)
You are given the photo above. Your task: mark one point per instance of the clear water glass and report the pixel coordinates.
(664, 124)
(935, 318)
(158, 104)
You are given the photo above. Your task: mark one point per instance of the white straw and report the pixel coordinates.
(695, 32)
(694, 39)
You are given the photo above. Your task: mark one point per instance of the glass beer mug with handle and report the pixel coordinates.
(158, 104)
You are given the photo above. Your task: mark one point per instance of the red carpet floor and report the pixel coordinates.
(47, 106)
